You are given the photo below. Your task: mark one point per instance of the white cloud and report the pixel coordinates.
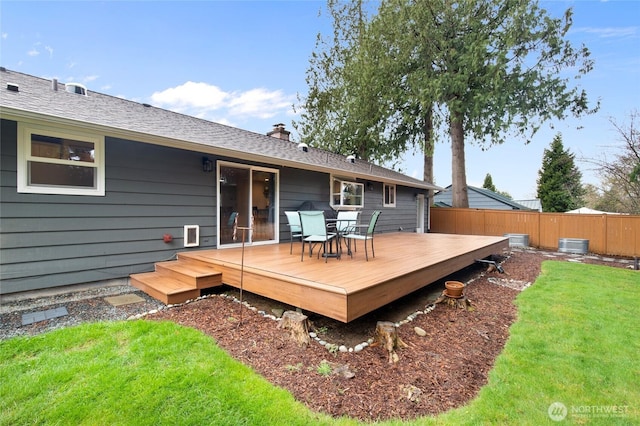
(50, 50)
(35, 50)
(259, 103)
(191, 95)
(201, 99)
(610, 32)
(90, 78)
(5, 36)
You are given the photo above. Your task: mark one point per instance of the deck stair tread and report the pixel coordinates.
(177, 281)
(166, 289)
(198, 275)
(168, 284)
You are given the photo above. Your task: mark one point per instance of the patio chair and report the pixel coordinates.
(346, 223)
(368, 236)
(314, 231)
(295, 230)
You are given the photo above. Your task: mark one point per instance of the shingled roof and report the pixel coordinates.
(443, 199)
(35, 98)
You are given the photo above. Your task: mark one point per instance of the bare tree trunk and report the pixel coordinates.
(429, 148)
(459, 196)
(387, 336)
(298, 325)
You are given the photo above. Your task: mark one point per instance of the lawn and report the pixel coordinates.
(574, 347)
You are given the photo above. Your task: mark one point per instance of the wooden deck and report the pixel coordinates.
(345, 289)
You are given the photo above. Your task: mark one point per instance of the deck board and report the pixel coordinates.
(346, 288)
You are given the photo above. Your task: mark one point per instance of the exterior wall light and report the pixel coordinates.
(207, 164)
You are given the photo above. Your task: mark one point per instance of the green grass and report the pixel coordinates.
(576, 341)
(136, 373)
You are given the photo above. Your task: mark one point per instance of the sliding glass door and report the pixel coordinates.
(247, 198)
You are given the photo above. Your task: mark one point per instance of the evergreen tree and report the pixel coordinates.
(358, 102)
(483, 68)
(559, 180)
(488, 183)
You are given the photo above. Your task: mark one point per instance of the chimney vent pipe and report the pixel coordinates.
(279, 132)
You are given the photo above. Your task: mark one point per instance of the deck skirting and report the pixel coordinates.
(347, 288)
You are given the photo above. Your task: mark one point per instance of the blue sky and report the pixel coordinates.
(243, 63)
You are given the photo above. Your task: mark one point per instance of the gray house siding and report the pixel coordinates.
(402, 217)
(53, 240)
(298, 186)
(154, 185)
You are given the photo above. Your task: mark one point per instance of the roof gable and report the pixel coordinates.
(479, 198)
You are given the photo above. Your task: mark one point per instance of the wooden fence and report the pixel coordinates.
(608, 234)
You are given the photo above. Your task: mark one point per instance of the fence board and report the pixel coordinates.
(623, 235)
(616, 235)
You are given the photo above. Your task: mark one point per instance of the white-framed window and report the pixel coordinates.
(345, 193)
(60, 161)
(389, 195)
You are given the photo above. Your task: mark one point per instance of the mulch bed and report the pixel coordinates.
(441, 370)
(437, 372)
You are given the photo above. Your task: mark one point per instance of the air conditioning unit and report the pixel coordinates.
(518, 240)
(573, 245)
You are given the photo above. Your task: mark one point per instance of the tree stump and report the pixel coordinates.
(387, 336)
(297, 324)
(461, 302)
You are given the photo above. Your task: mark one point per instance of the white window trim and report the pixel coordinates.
(25, 130)
(395, 195)
(345, 206)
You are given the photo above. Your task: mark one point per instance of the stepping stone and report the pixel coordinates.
(34, 317)
(124, 299)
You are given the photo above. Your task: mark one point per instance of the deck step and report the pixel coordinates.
(166, 289)
(198, 275)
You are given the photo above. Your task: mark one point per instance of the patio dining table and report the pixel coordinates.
(332, 226)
